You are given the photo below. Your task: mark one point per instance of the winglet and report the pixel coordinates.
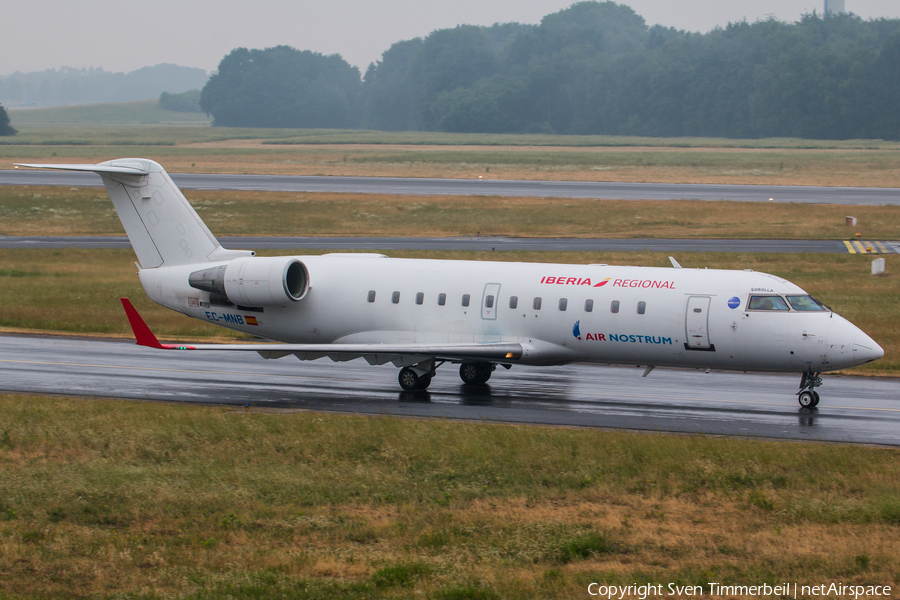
(142, 334)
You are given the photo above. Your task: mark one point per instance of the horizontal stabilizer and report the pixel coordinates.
(120, 168)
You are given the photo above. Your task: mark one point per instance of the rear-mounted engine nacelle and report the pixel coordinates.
(255, 281)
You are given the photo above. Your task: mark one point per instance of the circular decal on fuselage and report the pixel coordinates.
(734, 302)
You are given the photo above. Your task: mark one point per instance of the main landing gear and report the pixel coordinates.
(418, 377)
(808, 396)
(476, 373)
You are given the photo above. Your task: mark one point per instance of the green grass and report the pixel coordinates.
(87, 211)
(138, 500)
(140, 112)
(336, 136)
(78, 291)
(147, 112)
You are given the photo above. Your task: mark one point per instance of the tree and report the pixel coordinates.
(283, 87)
(5, 127)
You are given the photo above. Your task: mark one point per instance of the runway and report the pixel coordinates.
(485, 187)
(483, 244)
(862, 410)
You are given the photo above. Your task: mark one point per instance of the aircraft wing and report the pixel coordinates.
(376, 354)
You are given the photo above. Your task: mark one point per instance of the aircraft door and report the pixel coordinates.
(697, 323)
(490, 301)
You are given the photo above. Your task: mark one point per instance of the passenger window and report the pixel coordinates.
(563, 303)
(395, 297)
(806, 303)
(614, 307)
(420, 298)
(371, 296)
(642, 307)
(442, 299)
(465, 300)
(489, 302)
(537, 304)
(513, 301)
(767, 303)
(588, 306)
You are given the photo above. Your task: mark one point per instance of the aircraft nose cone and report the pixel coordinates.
(849, 346)
(865, 349)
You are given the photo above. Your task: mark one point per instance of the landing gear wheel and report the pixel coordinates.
(475, 373)
(807, 399)
(409, 381)
(808, 396)
(424, 382)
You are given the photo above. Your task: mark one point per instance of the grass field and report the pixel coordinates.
(113, 499)
(187, 147)
(140, 112)
(86, 211)
(78, 291)
(147, 112)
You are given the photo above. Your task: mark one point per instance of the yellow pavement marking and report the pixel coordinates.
(882, 248)
(850, 248)
(859, 247)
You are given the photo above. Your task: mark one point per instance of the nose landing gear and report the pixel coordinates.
(808, 397)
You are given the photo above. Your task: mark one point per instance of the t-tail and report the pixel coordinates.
(162, 226)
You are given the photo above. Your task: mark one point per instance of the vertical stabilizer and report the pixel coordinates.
(162, 226)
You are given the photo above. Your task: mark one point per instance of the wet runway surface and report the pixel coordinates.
(863, 410)
(499, 244)
(486, 187)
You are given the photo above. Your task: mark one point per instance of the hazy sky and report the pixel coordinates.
(123, 36)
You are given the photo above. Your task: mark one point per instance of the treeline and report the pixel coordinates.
(5, 127)
(80, 86)
(594, 68)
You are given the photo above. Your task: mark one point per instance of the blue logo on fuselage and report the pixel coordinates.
(734, 302)
(576, 330)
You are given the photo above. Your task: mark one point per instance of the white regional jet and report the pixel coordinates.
(420, 314)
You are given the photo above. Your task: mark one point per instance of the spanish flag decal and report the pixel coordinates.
(250, 320)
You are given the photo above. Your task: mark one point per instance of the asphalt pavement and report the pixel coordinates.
(852, 409)
(485, 187)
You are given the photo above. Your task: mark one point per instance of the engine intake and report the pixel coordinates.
(255, 281)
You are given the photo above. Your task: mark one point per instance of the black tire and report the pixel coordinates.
(408, 379)
(475, 373)
(470, 373)
(816, 399)
(424, 382)
(807, 399)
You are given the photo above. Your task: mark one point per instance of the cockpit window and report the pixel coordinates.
(767, 303)
(806, 303)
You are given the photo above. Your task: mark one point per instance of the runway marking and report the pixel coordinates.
(882, 248)
(308, 377)
(850, 248)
